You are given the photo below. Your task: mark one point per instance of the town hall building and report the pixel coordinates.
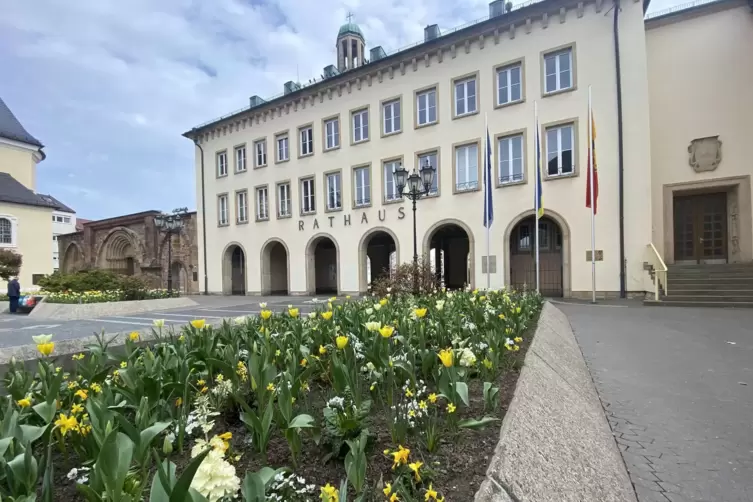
(298, 194)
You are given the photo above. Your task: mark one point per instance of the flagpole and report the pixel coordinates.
(593, 202)
(487, 201)
(538, 195)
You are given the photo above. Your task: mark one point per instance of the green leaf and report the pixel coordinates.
(147, 436)
(46, 410)
(302, 421)
(4, 444)
(476, 424)
(128, 428)
(255, 484)
(462, 389)
(114, 460)
(158, 492)
(30, 433)
(89, 493)
(180, 490)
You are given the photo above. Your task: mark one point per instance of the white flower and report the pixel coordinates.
(439, 305)
(377, 306)
(159, 323)
(312, 315)
(72, 474)
(373, 325)
(467, 358)
(215, 478)
(263, 305)
(369, 311)
(240, 320)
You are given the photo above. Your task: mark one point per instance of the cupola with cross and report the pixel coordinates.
(350, 45)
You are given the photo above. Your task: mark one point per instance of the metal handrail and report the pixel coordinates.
(660, 270)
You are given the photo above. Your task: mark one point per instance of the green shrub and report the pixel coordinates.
(93, 280)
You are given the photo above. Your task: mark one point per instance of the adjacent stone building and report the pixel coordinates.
(132, 245)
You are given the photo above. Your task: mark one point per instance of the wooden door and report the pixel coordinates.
(700, 228)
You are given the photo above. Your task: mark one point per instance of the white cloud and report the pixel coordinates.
(109, 86)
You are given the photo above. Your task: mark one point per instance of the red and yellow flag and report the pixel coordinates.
(592, 162)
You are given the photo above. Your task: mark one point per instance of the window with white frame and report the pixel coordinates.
(465, 96)
(466, 167)
(510, 155)
(332, 133)
(307, 140)
(362, 183)
(558, 70)
(560, 154)
(240, 159)
(431, 159)
(241, 206)
(308, 201)
(524, 237)
(262, 203)
(261, 153)
(222, 208)
(509, 84)
(221, 163)
(283, 200)
(283, 150)
(61, 219)
(543, 235)
(360, 125)
(391, 116)
(334, 191)
(6, 231)
(390, 187)
(426, 107)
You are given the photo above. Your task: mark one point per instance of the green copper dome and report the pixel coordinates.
(350, 29)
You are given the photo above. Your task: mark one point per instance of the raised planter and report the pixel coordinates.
(555, 443)
(71, 311)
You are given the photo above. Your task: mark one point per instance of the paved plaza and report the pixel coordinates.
(677, 386)
(18, 329)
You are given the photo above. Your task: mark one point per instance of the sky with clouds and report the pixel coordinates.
(109, 86)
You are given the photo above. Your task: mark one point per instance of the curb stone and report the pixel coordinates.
(555, 443)
(76, 311)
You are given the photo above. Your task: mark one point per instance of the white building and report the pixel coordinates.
(297, 193)
(63, 222)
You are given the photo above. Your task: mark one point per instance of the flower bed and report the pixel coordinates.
(359, 400)
(71, 297)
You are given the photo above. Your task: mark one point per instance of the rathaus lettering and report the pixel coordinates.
(347, 219)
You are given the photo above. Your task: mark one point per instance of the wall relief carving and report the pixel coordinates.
(705, 154)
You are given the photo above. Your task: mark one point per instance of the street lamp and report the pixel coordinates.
(171, 224)
(418, 185)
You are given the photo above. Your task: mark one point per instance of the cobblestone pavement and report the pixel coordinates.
(677, 388)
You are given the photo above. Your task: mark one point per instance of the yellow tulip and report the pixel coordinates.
(326, 316)
(134, 336)
(198, 323)
(24, 403)
(322, 349)
(46, 348)
(293, 312)
(266, 314)
(386, 331)
(383, 302)
(446, 357)
(341, 341)
(420, 313)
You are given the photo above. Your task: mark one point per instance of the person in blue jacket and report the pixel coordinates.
(14, 292)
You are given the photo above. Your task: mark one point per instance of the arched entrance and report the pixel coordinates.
(120, 252)
(180, 277)
(234, 270)
(322, 265)
(274, 268)
(378, 256)
(522, 258)
(72, 259)
(449, 245)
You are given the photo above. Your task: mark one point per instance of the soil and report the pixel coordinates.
(460, 462)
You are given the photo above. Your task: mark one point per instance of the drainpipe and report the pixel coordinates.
(203, 215)
(620, 146)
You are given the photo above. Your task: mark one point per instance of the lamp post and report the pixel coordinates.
(418, 185)
(170, 224)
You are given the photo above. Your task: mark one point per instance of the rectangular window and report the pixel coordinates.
(391, 116)
(222, 164)
(431, 159)
(66, 219)
(334, 191)
(465, 96)
(558, 70)
(360, 126)
(543, 235)
(262, 203)
(509, 84)
(241, 205)
(261, 153)
(332, 133)
(307, 140)
(240, 159)
(308, 202)
(283, 200)
(426, 106)
(466, 168)
(283, 151)
(222, 209)
(510, 154)
(362, 186)
(390, 187)
(560, 156)
(524, 238)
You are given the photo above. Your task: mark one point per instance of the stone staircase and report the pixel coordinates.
(729, 285)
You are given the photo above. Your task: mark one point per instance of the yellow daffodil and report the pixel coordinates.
(76, 409)
(77, 357)
(204, 389)
(72, 385)
(226, 436)
(400, 456)
(329, 494)
(422, 405)
(66, 423)
(81, 393)
(271, 387)
(200, 382)
(432, 398)
(96, 388)
(412, 413)
(387, 489)
(266, 314)
(487, 363)
(394, 498)
(408, 393)
(134, 336)
(431, 494)
(277, 353)
(420, 313)
(322, 350)
(517, 310)
(198, 323)
(159, 323)
(386, 331)
(124, 364)
(24, 403)
(517, 339)
(327, 315)
(515, 348)
(383, 302)
(482, 298)
(178, 401)
(304, 362)
(451, 408)
(501, 316)
(446, 357)
(475, 291)
(292, 312)
(415, 466)
(341, 341)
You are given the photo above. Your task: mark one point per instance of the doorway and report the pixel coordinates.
(700, 228)
(274, 265)
(234, 271)
(450, 254)
(322, 265)
(523, 257)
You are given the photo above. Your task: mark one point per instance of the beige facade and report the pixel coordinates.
(324, 247)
